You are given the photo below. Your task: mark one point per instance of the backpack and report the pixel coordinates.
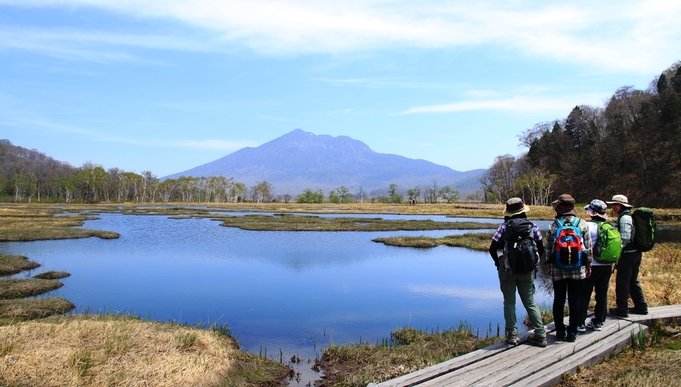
(608, 247)
(568, 245)
(645, 229)
(520, 247)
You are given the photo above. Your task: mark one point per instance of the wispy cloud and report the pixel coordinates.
(92, 46)
(518, 103)
(625, 35)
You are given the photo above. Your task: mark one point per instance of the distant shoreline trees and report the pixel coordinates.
(28, 175)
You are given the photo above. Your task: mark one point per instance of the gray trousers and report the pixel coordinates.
(524, 284)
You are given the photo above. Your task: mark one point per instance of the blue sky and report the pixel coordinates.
(167, 85)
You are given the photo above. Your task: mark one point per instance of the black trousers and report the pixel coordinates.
(626, 283)
(573, 289)
(598, 281)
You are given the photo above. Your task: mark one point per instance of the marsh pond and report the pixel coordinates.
(281, 293)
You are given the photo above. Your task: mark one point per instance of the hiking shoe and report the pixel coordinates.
(512, 340)
(617, 312)
(539, 341)
(635, 311)
(571, 337)
(596, 326)
(581, 329)
(560, 335)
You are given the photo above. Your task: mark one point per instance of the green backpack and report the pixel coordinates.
(608, 247)
(646, 227)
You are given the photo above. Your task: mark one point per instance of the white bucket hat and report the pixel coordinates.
(620, 199)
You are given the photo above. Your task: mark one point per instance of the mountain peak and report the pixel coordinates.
(299, 160)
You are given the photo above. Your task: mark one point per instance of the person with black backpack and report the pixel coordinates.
(606, 242)
(521, 242)
(568, 262)
(626, 281)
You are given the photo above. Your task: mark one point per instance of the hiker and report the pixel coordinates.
(516, 225)
(626, 280)
(568, 262)
(601, 270)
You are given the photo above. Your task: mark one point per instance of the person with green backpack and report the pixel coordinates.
(627, 283)
(607, 247)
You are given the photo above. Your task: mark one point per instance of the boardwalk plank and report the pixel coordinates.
(595, 353)
(527, 365)
(521, 361)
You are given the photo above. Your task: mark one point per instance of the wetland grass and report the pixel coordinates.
(97, 350)
(21, 224)
(411, 349)
(13, 264)
(147, 353)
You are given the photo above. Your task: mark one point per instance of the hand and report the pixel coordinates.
(588, 271)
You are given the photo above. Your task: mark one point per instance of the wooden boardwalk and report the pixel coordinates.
(528, 365)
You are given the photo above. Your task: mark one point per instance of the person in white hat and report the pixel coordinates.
(626, 281)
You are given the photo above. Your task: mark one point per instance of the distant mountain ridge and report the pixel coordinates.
(300, 160)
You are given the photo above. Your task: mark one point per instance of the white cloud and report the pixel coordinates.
(524, 103)
(626, 35)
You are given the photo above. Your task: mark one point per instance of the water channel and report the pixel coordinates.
(281, 293)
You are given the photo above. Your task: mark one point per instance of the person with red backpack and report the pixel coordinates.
(521, 242)
(626, 281)
(568, 262)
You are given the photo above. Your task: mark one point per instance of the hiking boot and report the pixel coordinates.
(636, 311)
(560, 335)
(596, 326)
(571, 337)
(581, 329)
(539, 341)
(617, 312)
(512, 339)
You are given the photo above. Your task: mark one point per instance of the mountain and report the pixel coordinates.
(300, 160)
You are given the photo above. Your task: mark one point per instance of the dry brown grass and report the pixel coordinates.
(12, 311)
(659, 364)
(20, 288)
(122, 351)
(37, 222)
(13, 264)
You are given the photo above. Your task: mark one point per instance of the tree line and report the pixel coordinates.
(28, 175)
(631, 145)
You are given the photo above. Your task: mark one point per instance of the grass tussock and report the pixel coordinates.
(408, 350)
(13, 264)
(286, 222)
(21, 223)
(21, 288)
(124, 351)
(474, 241)
(12, 311)
(52, 275)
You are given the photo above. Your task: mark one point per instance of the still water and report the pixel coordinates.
(281, 292)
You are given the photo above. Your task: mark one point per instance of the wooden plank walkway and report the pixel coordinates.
(528, 365)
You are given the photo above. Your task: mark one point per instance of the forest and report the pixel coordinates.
(630, 146)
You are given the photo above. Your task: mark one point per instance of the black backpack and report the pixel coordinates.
(519, 245)
(645, 229)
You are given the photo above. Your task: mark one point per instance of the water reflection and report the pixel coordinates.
(290, 291)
